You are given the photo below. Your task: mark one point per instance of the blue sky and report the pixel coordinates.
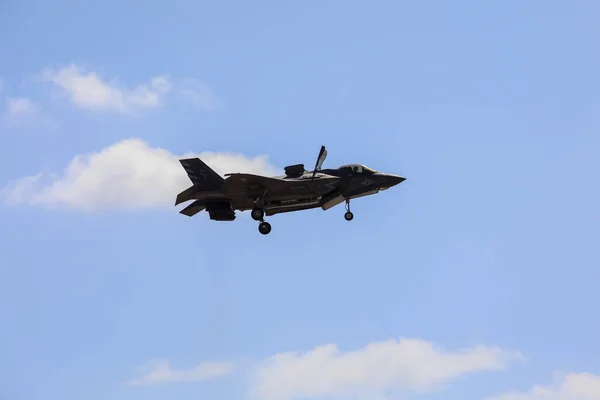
(477, 278)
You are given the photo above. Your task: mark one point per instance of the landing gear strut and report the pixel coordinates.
(258, 214)
(348, 216)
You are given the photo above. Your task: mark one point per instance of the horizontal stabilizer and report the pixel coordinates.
(193, 209)
(187, 194)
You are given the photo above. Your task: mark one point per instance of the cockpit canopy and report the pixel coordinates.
(358, 168)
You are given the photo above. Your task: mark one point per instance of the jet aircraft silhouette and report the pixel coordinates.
(297, 190)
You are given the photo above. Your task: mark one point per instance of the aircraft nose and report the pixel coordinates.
(395, 179)
(391, 180)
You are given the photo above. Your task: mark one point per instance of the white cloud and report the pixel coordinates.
(89, 91)
(20, 112)
(375, 371)
(126, 175)
(160, 372)
(575, 386)
(199, 94)
(18, 105)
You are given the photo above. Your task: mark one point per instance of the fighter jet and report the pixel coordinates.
(297, 190)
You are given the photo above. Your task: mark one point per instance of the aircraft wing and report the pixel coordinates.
(251, 181)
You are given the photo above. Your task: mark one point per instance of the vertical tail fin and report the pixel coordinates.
(201, 174)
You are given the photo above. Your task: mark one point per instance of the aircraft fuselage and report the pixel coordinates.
(297, 190)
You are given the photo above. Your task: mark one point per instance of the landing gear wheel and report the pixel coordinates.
(264, 227)
(257, 214)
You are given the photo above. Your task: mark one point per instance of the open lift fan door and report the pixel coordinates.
(294, 170)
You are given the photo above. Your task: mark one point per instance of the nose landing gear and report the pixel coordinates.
(348, 216)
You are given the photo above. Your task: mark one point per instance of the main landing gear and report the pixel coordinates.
(264, 228)
(258, 214)
(348, 216)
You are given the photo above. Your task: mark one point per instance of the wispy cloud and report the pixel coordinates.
(375, 371)
(19, 106)
(160, 372)
(89, 91)
(126, 175)
(574, 386)
(199, 94)
(380, 370)
(20, 111)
